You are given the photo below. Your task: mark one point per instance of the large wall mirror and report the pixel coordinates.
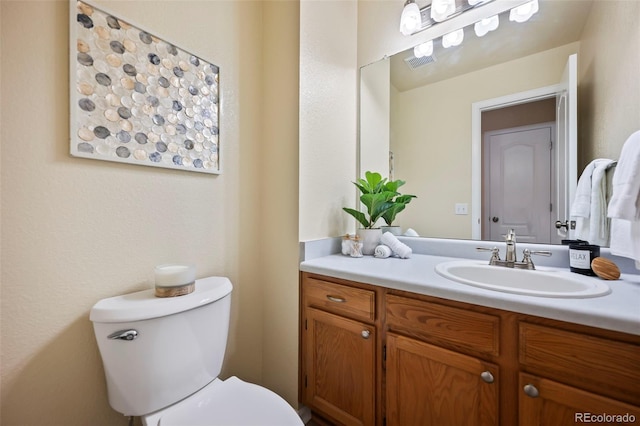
(512, 80)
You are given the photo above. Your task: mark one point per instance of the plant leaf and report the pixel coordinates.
(360, 217)
(390, 215)
(377, 204)
(399, 203)
(393, 185)
(404, 199)
(375, 181)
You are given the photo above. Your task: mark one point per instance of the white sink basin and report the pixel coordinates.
(542, 282)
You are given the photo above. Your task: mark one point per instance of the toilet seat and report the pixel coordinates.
(231, 402)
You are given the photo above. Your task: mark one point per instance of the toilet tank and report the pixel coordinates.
(157, 351)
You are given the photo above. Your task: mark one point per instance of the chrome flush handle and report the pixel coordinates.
(124, 335)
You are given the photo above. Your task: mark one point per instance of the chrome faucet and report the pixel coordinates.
(510, 239)
(511, 260)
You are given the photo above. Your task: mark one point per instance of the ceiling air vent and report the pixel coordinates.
(414, 63)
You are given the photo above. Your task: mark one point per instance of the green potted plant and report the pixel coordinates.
(399, 203)
(378, 200)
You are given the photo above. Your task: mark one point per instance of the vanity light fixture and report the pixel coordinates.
(414, 20)
(484, 26)
(524, 12)
(442, 9)
(411, 20)
(424, 49)
(454, 38)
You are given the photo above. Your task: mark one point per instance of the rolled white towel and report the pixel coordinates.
(399, 248)
(411, 233)
(382, 252)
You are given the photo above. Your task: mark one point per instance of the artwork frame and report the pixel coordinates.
(137, 98)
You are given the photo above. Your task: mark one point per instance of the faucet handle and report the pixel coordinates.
(495, 254)
(526, 257)
(541, 252)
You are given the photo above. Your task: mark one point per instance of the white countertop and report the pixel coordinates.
(619, 310)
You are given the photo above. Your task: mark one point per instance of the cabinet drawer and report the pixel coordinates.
(444, 325)
(340, 299)
(600, 365)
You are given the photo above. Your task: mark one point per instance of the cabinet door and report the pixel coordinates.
(545, 402)
(340, 367)
(430, 386)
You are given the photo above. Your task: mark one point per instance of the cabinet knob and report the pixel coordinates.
(365, 334)
(487, 376)
(531, 391)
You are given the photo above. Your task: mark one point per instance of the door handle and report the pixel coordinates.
(560, 224)
(495, 219)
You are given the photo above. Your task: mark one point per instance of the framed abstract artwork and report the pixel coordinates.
(139, 99)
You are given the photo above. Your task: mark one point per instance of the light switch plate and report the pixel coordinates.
(462, 208)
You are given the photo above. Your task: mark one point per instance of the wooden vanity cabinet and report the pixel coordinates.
(544, 372)
(340, 368)
(569, 373)
(429, 385)
(546, 402)
(431, 361)
(441, 364)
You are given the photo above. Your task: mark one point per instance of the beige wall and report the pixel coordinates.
(373, 133)
(328, 111)
(77, 230)
(609, 83)
(432, 149)
(278, 211)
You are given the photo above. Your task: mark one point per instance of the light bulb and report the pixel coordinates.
(454, 38)
(424, 49)
(442, 9)
(484, 26)
(410, 20)
(523, 12)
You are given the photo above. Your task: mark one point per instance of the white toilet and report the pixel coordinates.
(162, 357)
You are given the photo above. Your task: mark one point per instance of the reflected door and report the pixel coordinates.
(567, 141)
(518, 164)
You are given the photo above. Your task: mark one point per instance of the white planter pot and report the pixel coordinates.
(369, 238)
(395, 230)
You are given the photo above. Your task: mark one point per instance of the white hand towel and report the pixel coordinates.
(581, 206)
(624, 207)
(589, 207)
(399, 248)
(599, 224)
(625, 202)
(625, 239)
(382, 251)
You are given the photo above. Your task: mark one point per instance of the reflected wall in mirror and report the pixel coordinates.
(430, 106)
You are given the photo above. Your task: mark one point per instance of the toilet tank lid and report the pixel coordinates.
(144, 305)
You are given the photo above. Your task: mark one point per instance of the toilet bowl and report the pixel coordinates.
(232, 402)
(162, 358)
